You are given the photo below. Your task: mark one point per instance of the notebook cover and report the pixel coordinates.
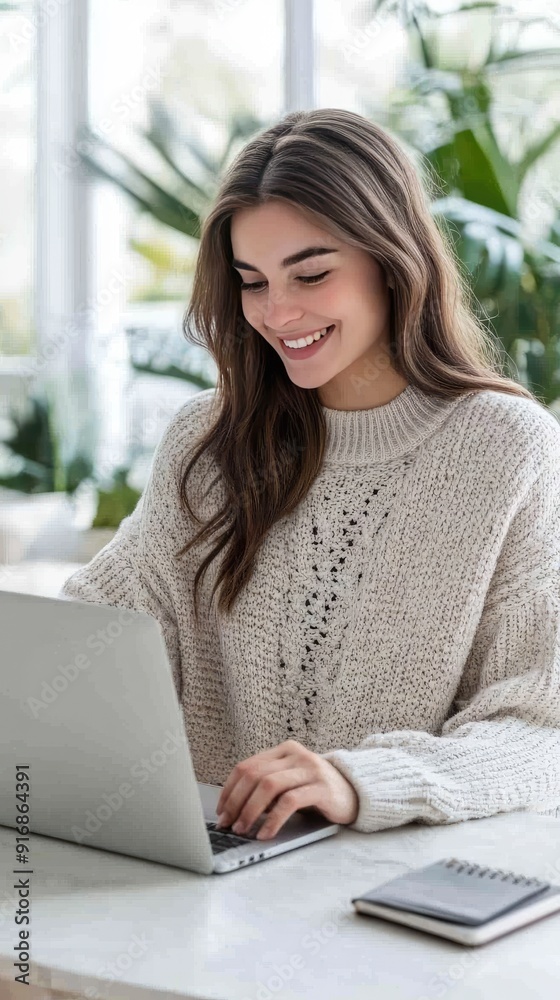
(526, 913)
(457, 891)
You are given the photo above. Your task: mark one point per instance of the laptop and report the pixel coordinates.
(89, 712)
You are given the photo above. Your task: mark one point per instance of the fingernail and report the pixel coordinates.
(221, 819)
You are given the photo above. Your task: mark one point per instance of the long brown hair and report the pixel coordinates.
(268, 438)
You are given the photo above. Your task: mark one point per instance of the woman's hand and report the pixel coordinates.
(293, 776)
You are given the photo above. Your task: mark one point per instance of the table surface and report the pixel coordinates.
(105, 925)
(41, 576)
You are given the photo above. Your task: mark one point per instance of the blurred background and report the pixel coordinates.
(117, 118)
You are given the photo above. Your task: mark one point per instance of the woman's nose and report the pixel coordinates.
(280, 309)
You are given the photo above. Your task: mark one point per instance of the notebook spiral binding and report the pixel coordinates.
(473, 869)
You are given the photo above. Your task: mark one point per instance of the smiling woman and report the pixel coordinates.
(338, 317)
(328, 214)
(385, 646)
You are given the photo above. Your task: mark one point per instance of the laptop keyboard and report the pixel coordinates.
(222, 840)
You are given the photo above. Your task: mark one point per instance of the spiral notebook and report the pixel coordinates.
(462, 901)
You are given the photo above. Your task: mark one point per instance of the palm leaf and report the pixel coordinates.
(473, 164)
(547, 250)
(494, 256)
(468, 7)
(424, 47)
(513, 269)
(531, 56)
(168, 210)
(174, 371)
(244, 125)
(157, 142)
(539, 149)
(165, 130)
(461, 210)
(501, 173)
(159, 195)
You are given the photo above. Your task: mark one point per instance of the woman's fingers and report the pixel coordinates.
(281, 781)
(241, 789)
(285, 749)
(287, 805)
(270, 788)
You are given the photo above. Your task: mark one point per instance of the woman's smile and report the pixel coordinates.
(300, 353)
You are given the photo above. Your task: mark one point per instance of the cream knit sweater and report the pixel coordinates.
(404, 622)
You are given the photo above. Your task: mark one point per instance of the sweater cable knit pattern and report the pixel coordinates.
(403, 622)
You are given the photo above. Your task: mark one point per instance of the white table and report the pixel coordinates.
(41, 577)
(104, 925)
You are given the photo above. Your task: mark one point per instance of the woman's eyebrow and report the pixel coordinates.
(294, 258)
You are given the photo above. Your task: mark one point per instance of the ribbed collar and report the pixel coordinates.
(384, 432)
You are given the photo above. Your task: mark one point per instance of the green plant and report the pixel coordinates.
(161, 352)
(36, 445)
(183, 204)
(180, 206)
(115, 503)
(449, 116)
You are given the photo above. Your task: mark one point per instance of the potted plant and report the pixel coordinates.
(180, 207)
(40, 495)
(114, 503)
(39, 491)
(447, 108)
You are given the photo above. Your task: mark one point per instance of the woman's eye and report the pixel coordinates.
(256, 285)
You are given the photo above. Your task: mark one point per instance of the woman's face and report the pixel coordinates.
(351, 366)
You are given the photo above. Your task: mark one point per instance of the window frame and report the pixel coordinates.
(64, 264)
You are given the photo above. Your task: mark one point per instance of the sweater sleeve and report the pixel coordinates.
(135, 569)
(117, 577)
(500, 750)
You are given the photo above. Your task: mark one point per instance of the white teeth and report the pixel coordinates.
(306, 341)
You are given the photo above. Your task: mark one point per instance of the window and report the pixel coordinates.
(17, 154)
(192, 69)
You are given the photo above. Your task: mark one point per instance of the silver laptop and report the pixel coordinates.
(89, 712)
